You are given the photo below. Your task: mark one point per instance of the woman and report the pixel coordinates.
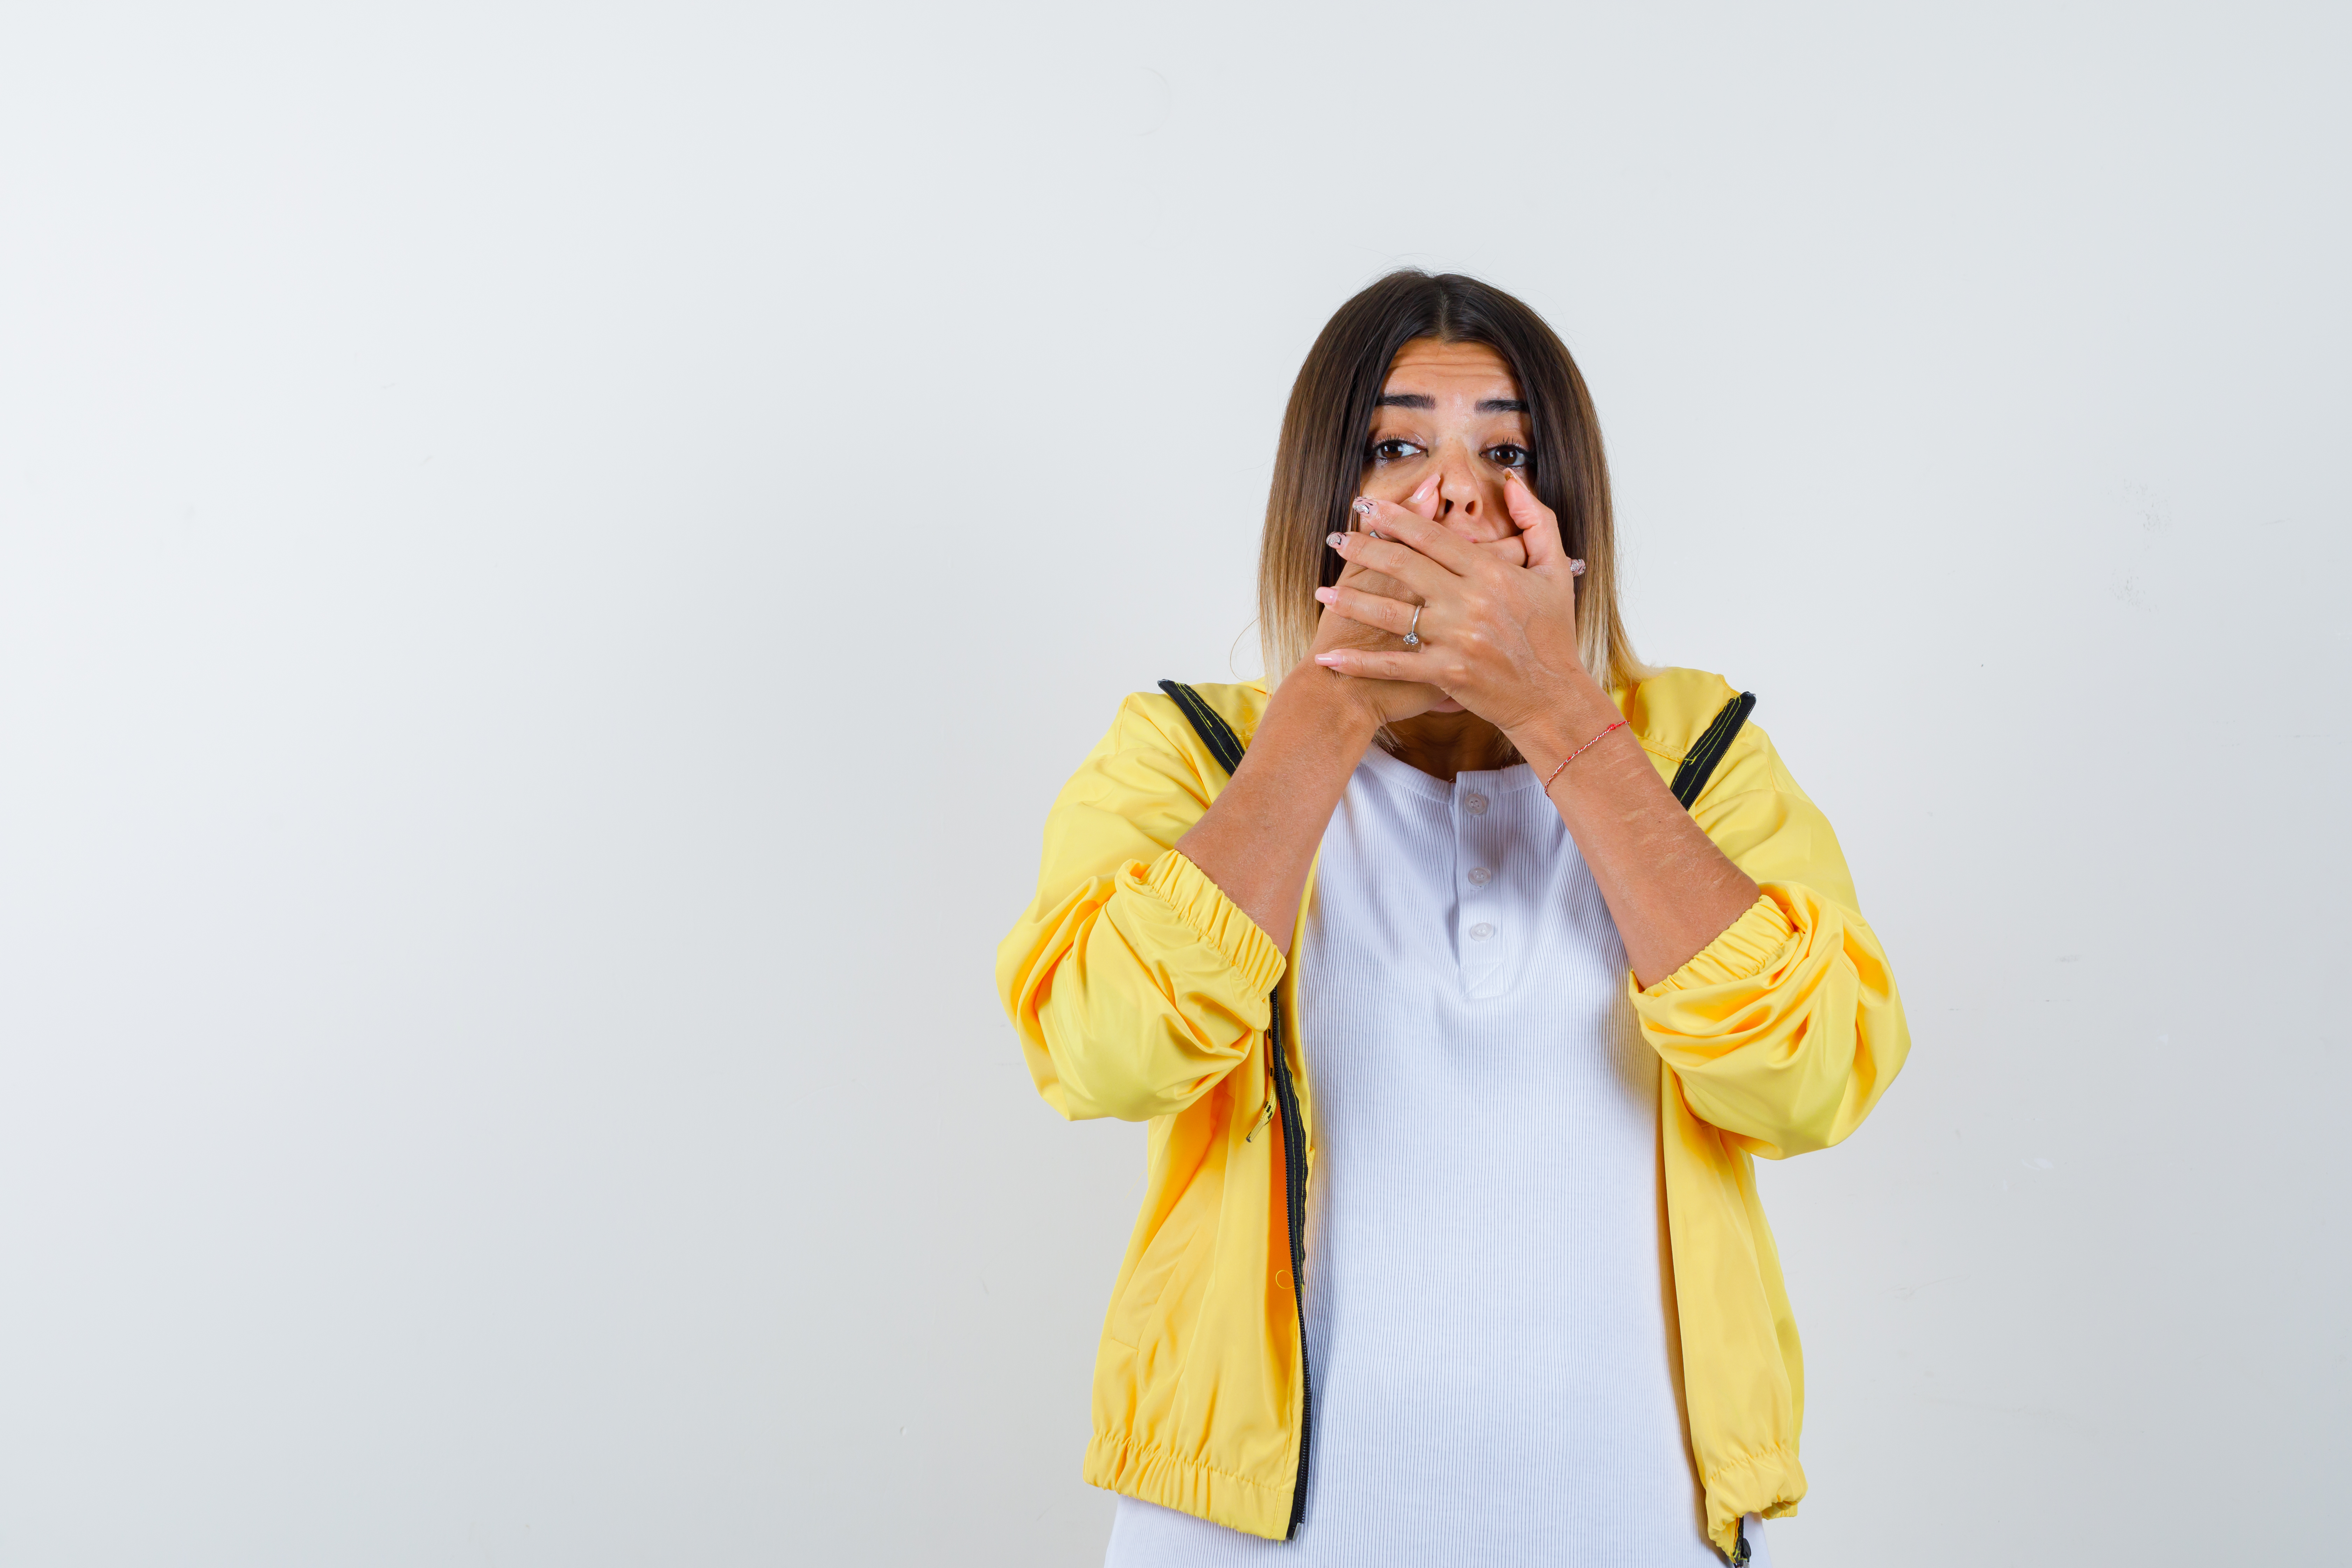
(1450, 1250)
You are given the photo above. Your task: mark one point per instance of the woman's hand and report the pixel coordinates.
(1498, 638)
(1388, 700)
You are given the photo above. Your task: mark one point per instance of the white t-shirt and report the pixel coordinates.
(1486, 1287)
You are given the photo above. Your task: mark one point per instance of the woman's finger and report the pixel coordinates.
(1354, 576)
(1408, 566)
(1422, 502)
(1511, 549)
(1537, 522)
(1370, 665)
(1440, 544)
(1369, 609)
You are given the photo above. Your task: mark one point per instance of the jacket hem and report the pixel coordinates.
(1128, 1468)
(1768, 1481)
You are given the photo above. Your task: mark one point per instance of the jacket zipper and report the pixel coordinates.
(1227, 747)
(1294, 1184)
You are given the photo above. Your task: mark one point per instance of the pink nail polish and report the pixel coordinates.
(1327, 660)
(1328, 596)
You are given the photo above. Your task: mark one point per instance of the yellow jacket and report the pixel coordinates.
(1138, 991)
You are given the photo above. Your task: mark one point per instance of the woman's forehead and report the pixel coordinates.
(1425, 364)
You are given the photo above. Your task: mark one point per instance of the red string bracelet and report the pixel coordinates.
(1577, 752)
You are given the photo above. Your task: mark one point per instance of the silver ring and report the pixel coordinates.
(1412, 632)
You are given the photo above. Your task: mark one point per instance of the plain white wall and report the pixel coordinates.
(553, 558)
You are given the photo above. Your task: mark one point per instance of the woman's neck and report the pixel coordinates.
(1444, 744)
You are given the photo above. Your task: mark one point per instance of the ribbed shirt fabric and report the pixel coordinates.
(1486, 1317)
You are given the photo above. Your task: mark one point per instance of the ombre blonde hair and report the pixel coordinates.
(1318, 465)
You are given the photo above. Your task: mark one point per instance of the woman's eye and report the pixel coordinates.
(1393, 451)
(1507, 455)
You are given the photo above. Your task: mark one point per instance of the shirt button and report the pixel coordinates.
(1480, 931)
(1480, 876)
(1475, 805)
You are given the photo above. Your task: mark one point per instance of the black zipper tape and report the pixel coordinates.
(1211, 726)
(1226, 747)
(1699, 761)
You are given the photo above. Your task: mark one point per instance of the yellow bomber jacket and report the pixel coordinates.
(1139, 991)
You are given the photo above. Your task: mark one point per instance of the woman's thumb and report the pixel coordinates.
(1536, 523)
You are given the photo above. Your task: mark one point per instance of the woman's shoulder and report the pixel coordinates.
(1153, 749)
(1240, 704)
(1671, 708)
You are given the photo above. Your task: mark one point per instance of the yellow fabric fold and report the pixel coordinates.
(1119, 1464)
(1746, 946)
(1134, 986)
(1753, 1483)
(1785, 1029)
(1202, 905)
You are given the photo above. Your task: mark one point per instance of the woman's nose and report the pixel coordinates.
(1460, 497)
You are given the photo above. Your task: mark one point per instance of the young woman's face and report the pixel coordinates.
(1451, 412)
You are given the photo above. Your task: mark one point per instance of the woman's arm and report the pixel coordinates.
(1670, 889)
(1755, 979)
(1501, 640)
(1260, 837)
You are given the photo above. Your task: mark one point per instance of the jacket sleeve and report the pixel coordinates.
(1785, 1030)
(1133, 982)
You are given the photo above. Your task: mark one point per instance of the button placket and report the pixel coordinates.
(1480, 940)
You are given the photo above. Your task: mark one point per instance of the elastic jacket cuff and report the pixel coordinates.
(1216, 920)
(1745, 950)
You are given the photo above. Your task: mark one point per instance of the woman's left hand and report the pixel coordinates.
(1500, 639)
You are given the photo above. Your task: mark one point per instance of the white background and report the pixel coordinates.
(552, 558)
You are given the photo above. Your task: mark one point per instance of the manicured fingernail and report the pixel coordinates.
(1327, 660)
(1366, 506)
(1427, 489)
(1328, 596)
(1336, 541)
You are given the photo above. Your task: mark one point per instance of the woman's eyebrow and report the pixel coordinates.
(1422, 400)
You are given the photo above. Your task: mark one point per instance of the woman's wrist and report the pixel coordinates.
(1333, 705)
(1572, 717)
